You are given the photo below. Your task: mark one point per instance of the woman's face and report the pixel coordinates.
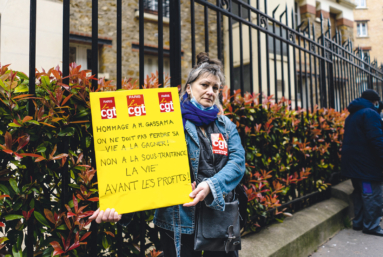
(205, 89)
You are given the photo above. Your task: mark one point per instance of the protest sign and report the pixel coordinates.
(141, 155)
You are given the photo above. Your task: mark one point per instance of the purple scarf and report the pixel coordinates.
(197, 116)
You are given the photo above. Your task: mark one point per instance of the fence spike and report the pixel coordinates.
(292, 19)
(275, 11)
(329, 28)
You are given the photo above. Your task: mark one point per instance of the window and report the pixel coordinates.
(235, 10)
(277, 41)
(361, 28)
(246, 77)
(361, 4)
(151, 6)
(151, 65)
(81, 55)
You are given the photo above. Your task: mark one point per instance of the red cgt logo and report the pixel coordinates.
(219, 144)
(166, 102)
(108, 108)
(136, 105)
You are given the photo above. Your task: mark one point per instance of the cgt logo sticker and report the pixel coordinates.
(166, 102)
(136, 105)
(108, 108)
(219, 144)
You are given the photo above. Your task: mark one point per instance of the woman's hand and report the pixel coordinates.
(199, 193)
(110, 215)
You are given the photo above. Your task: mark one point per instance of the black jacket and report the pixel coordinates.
(362, 150)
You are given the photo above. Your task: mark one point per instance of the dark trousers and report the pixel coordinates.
(368, 204)
(187, 246)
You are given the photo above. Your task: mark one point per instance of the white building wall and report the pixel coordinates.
(14, 32)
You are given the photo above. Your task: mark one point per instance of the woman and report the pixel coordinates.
(217, 171)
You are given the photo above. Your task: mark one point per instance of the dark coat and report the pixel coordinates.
(362, 150)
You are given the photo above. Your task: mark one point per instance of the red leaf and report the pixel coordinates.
(86, 214)
(57, 248)
(60, 156)
(27, 118)
(31, 155)
(30, 213)
(94, 199)
(85, 236)
(70, 214)
(75, 203)
(3, 196)
(49, 215)
(66, 99)
(8, 140)
(8, 151)
(75, 245)
(109, 233)
(16, 122)
(64, 244)
(40, 159)
(53, 152)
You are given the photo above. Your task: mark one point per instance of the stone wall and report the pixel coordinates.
(81, 22)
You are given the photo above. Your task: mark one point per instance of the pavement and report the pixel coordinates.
(350, 243)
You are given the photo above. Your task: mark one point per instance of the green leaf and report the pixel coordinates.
(40, 218)
(62, 227)
(74, 186)
(14, 125)
(13, 217)
(13, 183)
(22, 75)
(17, 206)
(88, 141)
(4, 189)
(16, 252)
(67, 132)
(41, 149)
(32, 203)
(34, 122)
(21, 89)
(3, 85)
(105, 243)
(45, 81)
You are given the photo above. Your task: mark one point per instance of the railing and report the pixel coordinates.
(310, 70)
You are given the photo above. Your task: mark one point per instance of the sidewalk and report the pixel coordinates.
(350, 243)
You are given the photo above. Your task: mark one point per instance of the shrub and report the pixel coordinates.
(288, 152)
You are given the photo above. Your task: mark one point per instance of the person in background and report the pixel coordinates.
(362, 161)
(216, 174)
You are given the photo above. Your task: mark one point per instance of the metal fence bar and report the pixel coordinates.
(241, 83)
(95, 40)
(119, 44)
(192, 21)
(160, 43)
(260, 91)
(206, 23)
(231, 54)
(251, 51)
(65, 69)
(31, 107)
(175, 42)
(94, 67)
(219, 33)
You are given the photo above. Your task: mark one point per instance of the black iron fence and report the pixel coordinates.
(277, 58)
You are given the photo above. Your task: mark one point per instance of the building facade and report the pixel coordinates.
(367, 31)
(14, 34)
